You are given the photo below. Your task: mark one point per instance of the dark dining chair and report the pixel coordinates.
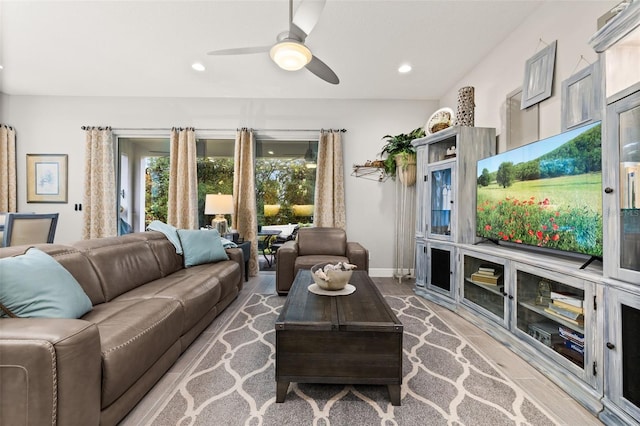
(29, 228)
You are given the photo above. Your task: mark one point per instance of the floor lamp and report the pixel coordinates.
(219, 205)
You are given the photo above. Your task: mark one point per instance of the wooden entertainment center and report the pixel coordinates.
(592, 349)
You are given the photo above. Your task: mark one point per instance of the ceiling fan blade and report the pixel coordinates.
(322, 70)
(306, 17)
(240, 50)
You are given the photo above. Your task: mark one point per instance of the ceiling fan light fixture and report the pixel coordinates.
(290, 55)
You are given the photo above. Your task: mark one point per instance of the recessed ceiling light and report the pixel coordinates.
(198, 66)
(405, 68)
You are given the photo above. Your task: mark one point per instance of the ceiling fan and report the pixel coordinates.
(289, 52)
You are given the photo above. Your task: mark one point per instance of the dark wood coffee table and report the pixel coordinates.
(354, 339)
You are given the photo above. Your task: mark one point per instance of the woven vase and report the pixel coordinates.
(466, 106)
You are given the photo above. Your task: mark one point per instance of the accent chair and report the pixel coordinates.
(316, 245)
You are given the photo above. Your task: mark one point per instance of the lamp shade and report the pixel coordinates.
(290, 55)
(218, 204)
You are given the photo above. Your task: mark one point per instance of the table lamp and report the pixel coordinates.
(219, 205)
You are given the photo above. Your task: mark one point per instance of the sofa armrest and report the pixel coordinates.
(236, 255)
(358, 255)
(50, 372)
(285, 262)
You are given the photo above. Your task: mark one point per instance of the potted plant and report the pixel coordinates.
(401, 155)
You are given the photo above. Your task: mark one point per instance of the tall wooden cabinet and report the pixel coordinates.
(596, 357)
(445, 209)
(618, 45)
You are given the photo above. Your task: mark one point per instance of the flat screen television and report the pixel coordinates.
(545, 194)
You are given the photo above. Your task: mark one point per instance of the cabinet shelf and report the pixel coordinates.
(490, 288)
(540, 310)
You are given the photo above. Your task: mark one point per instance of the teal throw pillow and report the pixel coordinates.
(171, 232)
(34, 285)
(201, 247)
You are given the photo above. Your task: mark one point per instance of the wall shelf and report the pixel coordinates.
(371, 173)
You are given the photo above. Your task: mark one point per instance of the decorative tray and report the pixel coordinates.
(347, 290)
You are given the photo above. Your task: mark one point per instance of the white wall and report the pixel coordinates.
(502, 71)
(52, 125)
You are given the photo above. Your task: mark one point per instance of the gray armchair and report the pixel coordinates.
(316, 245)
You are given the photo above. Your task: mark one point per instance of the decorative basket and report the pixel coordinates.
(338, 279)
(439, 126)
(440, 120)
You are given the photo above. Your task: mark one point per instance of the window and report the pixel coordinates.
(151, 176)
(285, 181)
(285, 178)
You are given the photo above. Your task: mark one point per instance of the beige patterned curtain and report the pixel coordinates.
(183, 180)
(329, 193)
(8, 196)
(100, 185)
(245, 217)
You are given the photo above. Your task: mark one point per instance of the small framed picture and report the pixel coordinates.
(538, 76)
(46, 178)
(582, 97)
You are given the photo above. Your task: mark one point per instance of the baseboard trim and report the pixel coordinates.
(388, 272)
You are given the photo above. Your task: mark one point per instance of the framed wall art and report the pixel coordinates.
(522, 125)
(46, 178)
(538, 76)
(582, 95)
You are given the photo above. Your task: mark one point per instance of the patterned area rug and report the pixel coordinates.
(446, 381)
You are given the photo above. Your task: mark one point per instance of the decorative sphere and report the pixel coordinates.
(338, 279)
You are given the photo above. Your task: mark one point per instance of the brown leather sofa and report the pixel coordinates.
(316, 245)
(147, 309)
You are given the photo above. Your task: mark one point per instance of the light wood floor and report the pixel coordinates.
(543, 391)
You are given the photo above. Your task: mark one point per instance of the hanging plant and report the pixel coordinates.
(399, 146)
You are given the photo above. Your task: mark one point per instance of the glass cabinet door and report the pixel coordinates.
(441, 197)
(483, 286)
(629, 134)
(622, 353)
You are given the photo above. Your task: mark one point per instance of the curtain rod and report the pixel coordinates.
(168, 129)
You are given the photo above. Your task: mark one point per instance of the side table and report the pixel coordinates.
(246, 253)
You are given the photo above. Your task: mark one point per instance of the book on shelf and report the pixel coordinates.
(486, 279)
(487, 268)
(566, 297)
(573, 356)
(579, 321)
(567, 306)
(569, 334)
(565, 312)
(574, 347)
(487, 273)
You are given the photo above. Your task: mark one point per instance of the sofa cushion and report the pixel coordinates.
(196, 291)
(35, 285)
(329, 241)
(134, 334)
(201, 247)
(121, 263)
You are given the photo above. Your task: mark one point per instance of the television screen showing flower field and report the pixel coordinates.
(545, 194)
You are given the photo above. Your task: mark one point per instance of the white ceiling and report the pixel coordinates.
(146, 48)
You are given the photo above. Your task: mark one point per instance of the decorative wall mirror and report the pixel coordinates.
(582, 97)
(522, 125)
(538, 76)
